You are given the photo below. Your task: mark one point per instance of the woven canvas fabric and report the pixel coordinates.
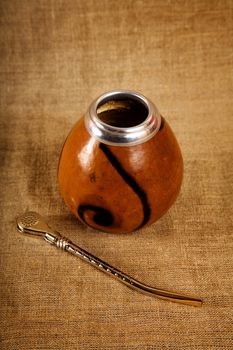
(56, 57)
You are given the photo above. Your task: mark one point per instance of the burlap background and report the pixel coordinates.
(56, 56)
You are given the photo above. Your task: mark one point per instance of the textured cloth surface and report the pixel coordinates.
(56, 57)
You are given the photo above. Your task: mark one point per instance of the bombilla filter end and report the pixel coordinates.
(32, 223)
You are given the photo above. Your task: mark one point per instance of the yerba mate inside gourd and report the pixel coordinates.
(122, 113)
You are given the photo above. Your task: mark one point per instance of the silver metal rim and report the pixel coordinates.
(121, 136)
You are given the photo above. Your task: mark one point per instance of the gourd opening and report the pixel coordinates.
(122, 111)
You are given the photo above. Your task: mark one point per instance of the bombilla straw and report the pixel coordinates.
(33, 224)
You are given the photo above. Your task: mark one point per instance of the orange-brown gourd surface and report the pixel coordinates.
(119, 189)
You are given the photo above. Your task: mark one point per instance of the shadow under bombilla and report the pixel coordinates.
(33, 224)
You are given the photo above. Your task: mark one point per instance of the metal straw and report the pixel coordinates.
(32, 223)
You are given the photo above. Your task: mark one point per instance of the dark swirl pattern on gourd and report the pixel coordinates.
(101, 216)
(104, 217)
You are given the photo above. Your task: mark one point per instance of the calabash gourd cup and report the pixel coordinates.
(121, 167)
